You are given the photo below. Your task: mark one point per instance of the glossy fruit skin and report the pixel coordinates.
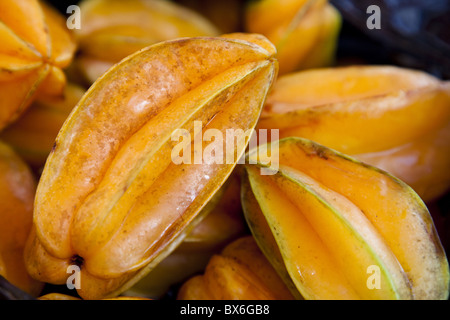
(239, 272)
(113, 158)
(36, 46)
(305, 32)
(394, 118)
(114, 29)
(223, 224)
(334, 222)
(17, 188)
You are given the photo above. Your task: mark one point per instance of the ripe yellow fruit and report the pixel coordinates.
(239, 272)
(36, 45)
(335, 228)
(110, 199)
(305, 32)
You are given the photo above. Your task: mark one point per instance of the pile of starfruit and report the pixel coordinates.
(214, 150)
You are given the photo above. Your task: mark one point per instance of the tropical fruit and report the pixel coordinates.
(335, 228)
(239, 272)
(115, 198)
(36, 45)
(393, 118)
(305, 32)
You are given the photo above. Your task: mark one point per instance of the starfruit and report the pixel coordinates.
(337, 228)
(111, 199)
(305, 32)
(32, 136)
(394, 118)
(36, 45)
(223, 224)
(239, 272)
(17, 188)
(114, 29)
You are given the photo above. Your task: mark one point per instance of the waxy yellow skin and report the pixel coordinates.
(326, 221)
(239, 272)
(114, 29)
(110, 198)
(304, 32)
(36, 45)
(394, 118)
(17, 188)
(223, 224)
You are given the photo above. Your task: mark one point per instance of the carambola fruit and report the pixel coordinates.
(111, 200)
(239, 272)
(305, 32)
(336, 228)
(393, 118)
(36, 45)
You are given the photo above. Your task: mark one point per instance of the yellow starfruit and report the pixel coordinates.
(305, 32)
(337, 228)
(239, 272)
(115, 198)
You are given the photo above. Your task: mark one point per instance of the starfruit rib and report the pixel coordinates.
(263, 235)
(26, 18)
(307, 8)
(13, 45)
(24, 89)
(396, 211)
